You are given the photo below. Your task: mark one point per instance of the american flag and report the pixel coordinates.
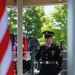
(15, 47)
(6, 62)
(15, 43)
(25, 44)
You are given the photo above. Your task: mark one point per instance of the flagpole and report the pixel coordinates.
(19, 38)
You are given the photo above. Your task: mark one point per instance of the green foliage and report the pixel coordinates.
(33, 21)
(12, 19)
(59, 17)
(47, 25)
(57, 22)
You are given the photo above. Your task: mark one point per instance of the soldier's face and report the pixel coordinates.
(49, 40)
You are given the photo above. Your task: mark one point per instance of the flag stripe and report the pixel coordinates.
(3, 25)
(25, 43)
(4, 44)
(10, 70)
(2, 7)
(6, 63)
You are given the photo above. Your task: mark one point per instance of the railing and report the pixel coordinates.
(64, 71)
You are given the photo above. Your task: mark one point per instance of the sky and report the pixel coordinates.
(48, 9)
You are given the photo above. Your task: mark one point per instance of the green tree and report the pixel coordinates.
(33, 20)
(47, 24)
(12, 19)
(59, 17)
(57, 22)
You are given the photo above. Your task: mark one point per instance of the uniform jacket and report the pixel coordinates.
(53, 53)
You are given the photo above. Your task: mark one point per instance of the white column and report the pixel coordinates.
(19, 38)
(71, 37)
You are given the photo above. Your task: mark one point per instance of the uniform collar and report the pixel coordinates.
(48, 45)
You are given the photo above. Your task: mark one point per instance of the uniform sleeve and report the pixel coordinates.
(59, 59)
(38, 54)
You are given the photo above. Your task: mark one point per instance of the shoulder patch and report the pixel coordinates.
(59, 47)
(60, 54)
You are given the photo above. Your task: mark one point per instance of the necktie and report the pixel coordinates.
(47, 47)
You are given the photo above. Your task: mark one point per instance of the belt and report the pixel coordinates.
(49, 62)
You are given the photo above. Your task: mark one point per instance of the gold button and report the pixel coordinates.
(46, 57)
(46, 54)
(42, 50)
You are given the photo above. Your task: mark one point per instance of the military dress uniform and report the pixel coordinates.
(26, 66)
(51, 60)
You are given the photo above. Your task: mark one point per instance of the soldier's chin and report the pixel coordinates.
(49, 43)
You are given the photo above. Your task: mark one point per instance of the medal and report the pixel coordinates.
(52, 52)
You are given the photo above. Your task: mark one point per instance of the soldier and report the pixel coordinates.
(50, 55)
(26, 63)
(62, 44)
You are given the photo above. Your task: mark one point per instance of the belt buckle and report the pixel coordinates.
(47, 62)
